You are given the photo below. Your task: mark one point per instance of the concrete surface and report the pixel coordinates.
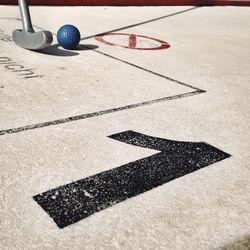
(57, 114)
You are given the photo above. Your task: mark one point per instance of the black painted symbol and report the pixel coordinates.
(75, 201)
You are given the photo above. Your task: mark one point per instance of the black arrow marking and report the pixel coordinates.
(75, 201)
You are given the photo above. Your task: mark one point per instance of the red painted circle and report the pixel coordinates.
(132, 41)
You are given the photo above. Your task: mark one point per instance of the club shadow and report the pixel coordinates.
(55, 51)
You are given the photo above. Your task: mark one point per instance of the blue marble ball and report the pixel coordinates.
(68, 36)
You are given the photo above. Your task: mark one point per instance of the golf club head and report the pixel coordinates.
(32, 40)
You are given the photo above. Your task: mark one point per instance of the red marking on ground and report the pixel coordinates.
(133, 2)
(132, 41)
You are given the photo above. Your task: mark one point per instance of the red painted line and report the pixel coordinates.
(132, 41)
(132, 2)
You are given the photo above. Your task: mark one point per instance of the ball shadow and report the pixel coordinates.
(86, 47)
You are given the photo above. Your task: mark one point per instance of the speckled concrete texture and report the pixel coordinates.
(61, 110)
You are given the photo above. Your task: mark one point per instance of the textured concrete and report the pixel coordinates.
(57, 118)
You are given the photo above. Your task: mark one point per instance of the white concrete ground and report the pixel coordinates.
(59, 107)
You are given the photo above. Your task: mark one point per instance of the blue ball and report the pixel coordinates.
(68, 36)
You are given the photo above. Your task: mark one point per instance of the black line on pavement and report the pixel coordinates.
(141, 23)
(149, 71)
(95, 114)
